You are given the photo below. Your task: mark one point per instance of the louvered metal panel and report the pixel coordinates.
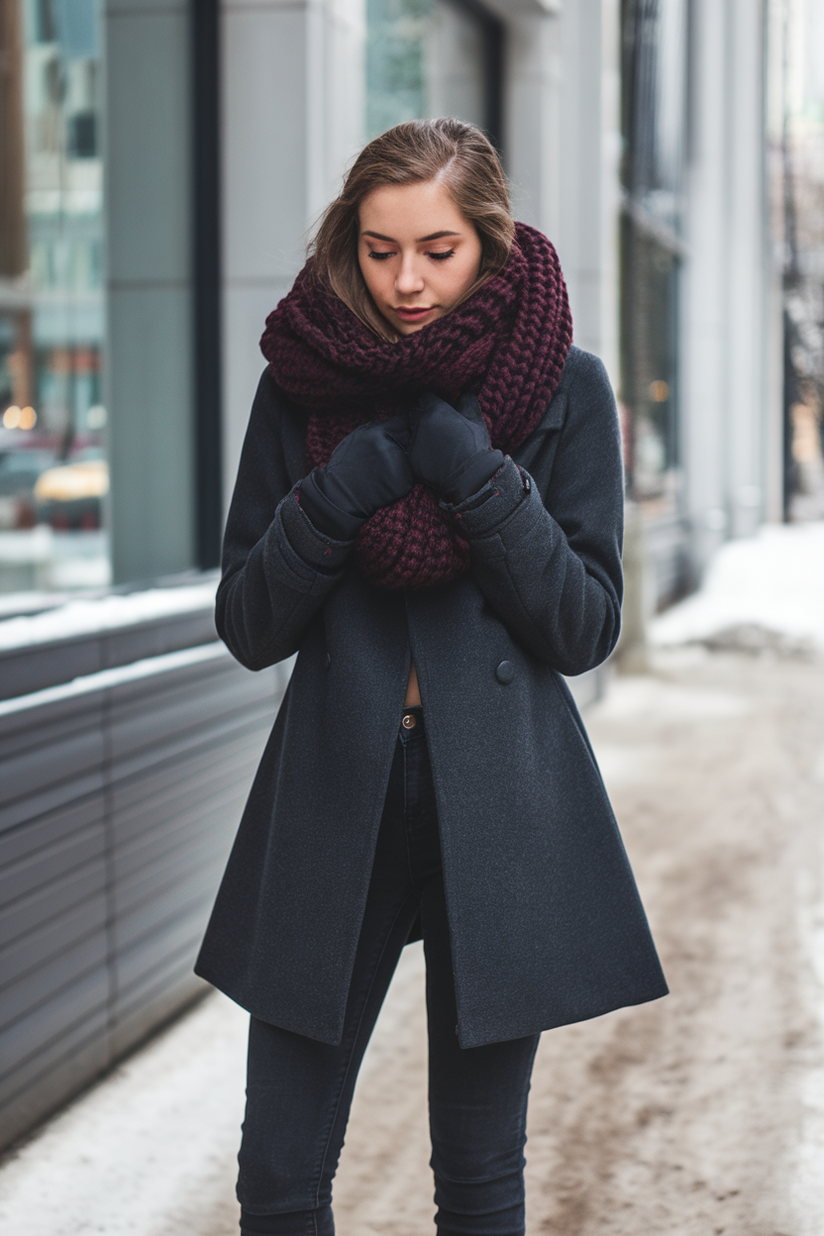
(126, 760)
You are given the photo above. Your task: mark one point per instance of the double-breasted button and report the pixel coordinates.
(505, 673)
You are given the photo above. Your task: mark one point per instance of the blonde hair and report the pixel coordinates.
(456, 153)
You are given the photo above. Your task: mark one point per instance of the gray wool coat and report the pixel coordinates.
(545, 921)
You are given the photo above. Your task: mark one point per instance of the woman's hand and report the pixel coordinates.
(450, 447)
(369, 469)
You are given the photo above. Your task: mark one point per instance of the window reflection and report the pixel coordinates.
(53, 473)
(430, 58)
(654, 76)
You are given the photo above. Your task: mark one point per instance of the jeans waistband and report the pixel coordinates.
(412, 725)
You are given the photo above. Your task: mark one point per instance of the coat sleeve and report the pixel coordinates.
(277, 568)
(549, 563)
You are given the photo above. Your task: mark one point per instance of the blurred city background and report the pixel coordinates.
(162, 163)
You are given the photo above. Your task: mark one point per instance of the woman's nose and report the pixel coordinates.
(409, 278)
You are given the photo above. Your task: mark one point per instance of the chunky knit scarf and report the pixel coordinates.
(507, 344)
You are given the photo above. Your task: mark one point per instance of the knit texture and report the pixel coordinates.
(507, 344)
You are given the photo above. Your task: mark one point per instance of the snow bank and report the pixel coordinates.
(773, 580)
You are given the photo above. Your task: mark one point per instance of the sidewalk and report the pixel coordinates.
(700, 1114)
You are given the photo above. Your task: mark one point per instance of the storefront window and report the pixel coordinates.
(53, 471)
(654, 74)
(649, 378)
(431, 58)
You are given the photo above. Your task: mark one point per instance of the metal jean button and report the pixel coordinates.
(409, 721)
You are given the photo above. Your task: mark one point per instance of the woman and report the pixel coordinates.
(428, 511)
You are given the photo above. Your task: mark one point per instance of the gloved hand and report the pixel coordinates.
(450, 447)
(367, 470)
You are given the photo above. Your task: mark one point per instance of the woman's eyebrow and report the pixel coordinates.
(420, 241)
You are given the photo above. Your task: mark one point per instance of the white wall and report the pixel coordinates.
(292, 107)
(590, 152)
(532, 123)
(731, 411)
(562, 142)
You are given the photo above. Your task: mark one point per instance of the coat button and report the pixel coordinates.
(505, 673)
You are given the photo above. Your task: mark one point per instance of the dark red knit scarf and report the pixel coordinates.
(507, 344)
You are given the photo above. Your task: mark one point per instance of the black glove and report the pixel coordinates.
(450, 447)
(367, 470)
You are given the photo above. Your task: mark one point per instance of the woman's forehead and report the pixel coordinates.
(410, 212)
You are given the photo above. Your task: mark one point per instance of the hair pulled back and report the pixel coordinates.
(457, 154)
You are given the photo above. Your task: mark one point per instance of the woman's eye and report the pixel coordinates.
(441, 257)
(379, 257)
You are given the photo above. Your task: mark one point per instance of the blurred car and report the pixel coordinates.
(19, 471)
(70, 495)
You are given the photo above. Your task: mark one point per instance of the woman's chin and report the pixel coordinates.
(411, 328)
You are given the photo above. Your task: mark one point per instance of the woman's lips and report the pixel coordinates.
(412, 315)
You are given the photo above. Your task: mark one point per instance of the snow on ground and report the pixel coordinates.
(99, 614)
(150, 1151)
(139, 1150)
(774, 580)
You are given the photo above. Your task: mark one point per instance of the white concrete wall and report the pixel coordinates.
(562, 146)
(532, 120)
(746, 267)
(703, 309)
(730, 349)
(590, 152)
(292, 116)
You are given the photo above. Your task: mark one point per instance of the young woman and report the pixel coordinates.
(428, 511)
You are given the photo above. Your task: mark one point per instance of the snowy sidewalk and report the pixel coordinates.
(675, 1090)
(148, 1151)
(152, 1149)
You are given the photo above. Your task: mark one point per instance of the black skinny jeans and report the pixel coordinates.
(299, 1091)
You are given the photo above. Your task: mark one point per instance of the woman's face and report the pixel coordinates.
(417, 252)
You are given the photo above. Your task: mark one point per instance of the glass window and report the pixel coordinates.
(649, 366)
(53, 472)
(431, 58)
(654, 107)
(654, 76)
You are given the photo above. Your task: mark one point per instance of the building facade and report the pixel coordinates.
(165, 161)
(162, 164)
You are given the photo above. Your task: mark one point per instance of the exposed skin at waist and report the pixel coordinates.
(413, 695)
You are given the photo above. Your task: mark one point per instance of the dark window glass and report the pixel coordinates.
(649, 362)
(654, 77)
(82, 135)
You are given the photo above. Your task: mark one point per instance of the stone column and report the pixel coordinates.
(729, 349)
(293, 115)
